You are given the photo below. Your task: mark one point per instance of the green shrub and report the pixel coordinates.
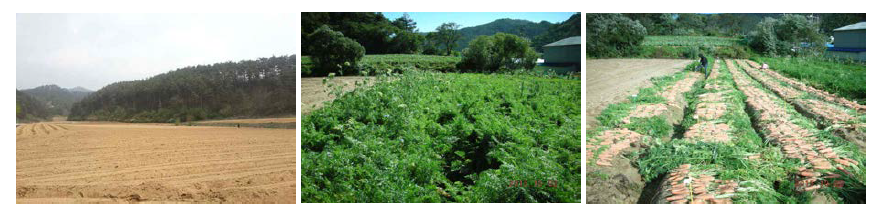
(613, 35)
(498, 52)
(331, 52)
(738, 52)
(779, 36)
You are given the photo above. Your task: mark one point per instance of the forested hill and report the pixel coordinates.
(28, 109)
(556, 32)
(249, 88)
(58, 100)
(523, 28)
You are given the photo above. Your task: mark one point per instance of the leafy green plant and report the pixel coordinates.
(444, 137)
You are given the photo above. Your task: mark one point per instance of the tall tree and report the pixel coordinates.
(405, 23)
(448, 34)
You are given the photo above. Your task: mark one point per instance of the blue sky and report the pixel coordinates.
(428, 21)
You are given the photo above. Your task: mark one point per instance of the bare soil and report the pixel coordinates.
(314, 94)
(63, 162)
(259, 120)
(610, 81)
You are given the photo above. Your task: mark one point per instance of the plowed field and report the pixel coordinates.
(137, 163)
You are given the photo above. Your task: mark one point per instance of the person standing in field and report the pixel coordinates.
(703, 61)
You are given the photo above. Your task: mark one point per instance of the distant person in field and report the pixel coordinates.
(703, 61)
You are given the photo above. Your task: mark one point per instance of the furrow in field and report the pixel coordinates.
(32, 129)
(43, 128)
(50, 168)
(158, 171)
(175, 153)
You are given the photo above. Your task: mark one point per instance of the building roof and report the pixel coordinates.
(855, 26)
(574, 40)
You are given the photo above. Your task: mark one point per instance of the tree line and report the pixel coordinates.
(379, 35)
(248, 88)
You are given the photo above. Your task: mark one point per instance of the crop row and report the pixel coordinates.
(824, 95)
(690, 41)
(842, 118)
(614, 146)
(815, 157)
(719, 159)
(847, 80)
(378, 63)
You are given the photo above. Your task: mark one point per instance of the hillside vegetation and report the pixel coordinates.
(249, 88)
(523, 28)
(58, 100)
(29, 109)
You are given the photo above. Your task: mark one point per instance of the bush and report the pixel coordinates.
(779, 36)
(498, 52)
(613, 35)
(738, 52)
(334, 53)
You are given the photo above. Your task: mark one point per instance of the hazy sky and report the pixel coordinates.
(94, 50)
(428, 21)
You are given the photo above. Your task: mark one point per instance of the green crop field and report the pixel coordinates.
(374, 63)
(844, 79)
(445, 137)
(690, 41)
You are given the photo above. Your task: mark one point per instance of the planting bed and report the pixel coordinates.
(627, 127)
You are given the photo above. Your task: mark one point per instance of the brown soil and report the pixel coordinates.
(610, 81)
(259, 120)
(143, 163)
(314, 94)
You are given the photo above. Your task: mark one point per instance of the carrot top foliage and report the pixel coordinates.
(446, 137)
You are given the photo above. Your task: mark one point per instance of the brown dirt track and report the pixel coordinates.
(610, 81)
(149, 163)
(313, 93)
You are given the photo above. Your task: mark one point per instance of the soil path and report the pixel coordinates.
(610, 81)
(314, 94)
(144, 163)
